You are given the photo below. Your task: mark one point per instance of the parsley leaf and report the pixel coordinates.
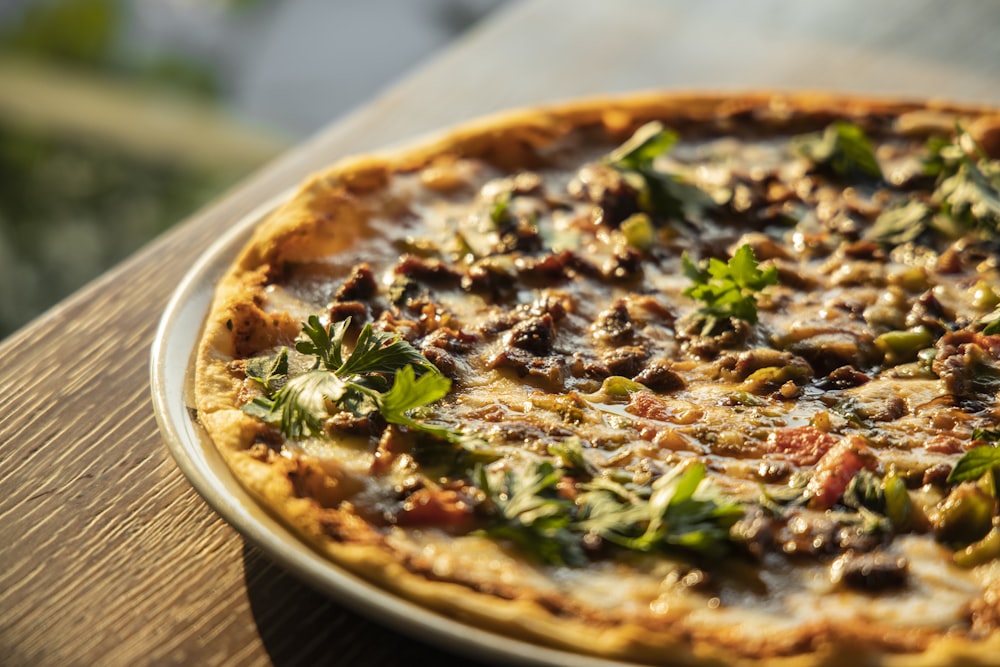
(618, 513)
(647, 143)
(323, 343)
(945, 155)
(408, 393)
(966, 196)
(673, 517)
(500, 213)
(682, 519)
(379, 375)
(673, 513)
(972, 195)
(381, 352)
(660, 192)
(843, 148)
(570, 454)
(270, 372)
(531, 514)
(902, 224)
(300, 406)
(968, 182)
(975, 463)
(728, 289)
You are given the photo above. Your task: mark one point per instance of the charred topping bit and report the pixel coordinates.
(937, 475)
(930, 314)
(534, 334)
(969, 364)
(432, 271)
(615, 198)
(614, 325)
(743, 365)
(493, 277)
(829, 350)
(660, 377)
(843, 377)
(359, 286)
(442, 360)
(625, 265)
(355, 311)
(870, 572)
(701, 346)
(550, 371)
(624, 361)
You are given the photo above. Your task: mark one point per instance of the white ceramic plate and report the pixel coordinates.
(171, 369)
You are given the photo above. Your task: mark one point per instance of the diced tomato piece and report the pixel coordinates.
(802, 445)
(446, 509)
(646, 404)
(836, 470)
(944, 444)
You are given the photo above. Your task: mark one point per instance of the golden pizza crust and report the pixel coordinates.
(326, 216)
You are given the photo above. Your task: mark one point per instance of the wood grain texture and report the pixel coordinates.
(109, 557)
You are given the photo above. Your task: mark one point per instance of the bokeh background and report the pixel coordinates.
(119, 118)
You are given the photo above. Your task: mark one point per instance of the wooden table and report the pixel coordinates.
(109, 557)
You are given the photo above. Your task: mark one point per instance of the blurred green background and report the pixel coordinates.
(119, 118)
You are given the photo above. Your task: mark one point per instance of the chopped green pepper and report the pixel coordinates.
(980, 552)
(638, 231)
(902, 346)
(965, 516)
(898, 504)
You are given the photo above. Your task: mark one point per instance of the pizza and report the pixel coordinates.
(662, 378)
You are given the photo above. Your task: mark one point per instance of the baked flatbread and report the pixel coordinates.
(671, 379)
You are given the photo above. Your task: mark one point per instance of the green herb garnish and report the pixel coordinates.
(409, 393)
(500, 213)
(900, 225)
(570, 454)
(674, 513)
(380, 375)
(966, 195)
(270, 372)
(843, 148)
(659, 192)
(972, 195)
(977, 461)
(673, 516)
(865, 491)
(531, 514)
(986, 434)
(728, 289)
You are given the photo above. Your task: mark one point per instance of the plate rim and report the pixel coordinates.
(202, 465)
